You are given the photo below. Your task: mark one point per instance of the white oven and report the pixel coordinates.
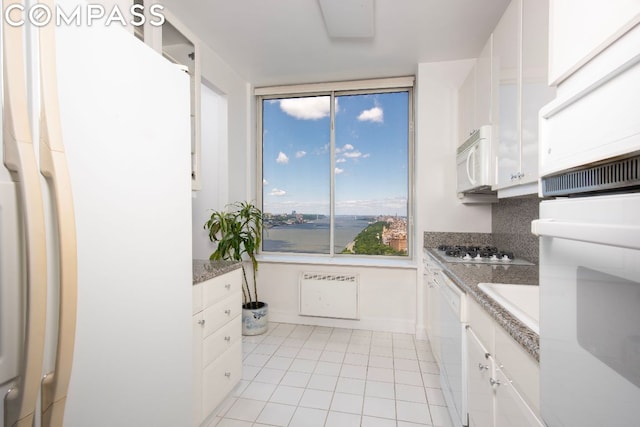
(590, 243)
(590, 310)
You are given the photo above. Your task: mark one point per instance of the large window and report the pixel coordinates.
(335, 172)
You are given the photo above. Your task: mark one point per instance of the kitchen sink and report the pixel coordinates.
(521, 301)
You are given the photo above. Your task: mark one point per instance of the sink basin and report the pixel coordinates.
(521, 301)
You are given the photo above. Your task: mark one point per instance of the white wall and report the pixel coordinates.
(226, 145)
(437, 206)
(241, 141)
(391, 298)
(387, 296)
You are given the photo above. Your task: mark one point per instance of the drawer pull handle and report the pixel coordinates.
(494, 382)
(227, 374)
(201, 322)
(482, 367)
(227, 311)
(227, 338)
(228, 286)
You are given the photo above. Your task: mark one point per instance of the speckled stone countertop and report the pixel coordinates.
(467, 278)
(204, 269)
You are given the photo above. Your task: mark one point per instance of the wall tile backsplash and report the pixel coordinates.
(511, 225)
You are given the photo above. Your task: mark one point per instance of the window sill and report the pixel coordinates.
(373, 262)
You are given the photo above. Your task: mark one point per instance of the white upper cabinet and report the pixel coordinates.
(474, 96)
(519, 62)
(466, 104)
(506, 67)
(581, 29)
(483, 90)
(535, 91)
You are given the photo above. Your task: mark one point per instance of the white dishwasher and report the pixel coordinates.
(453, 375)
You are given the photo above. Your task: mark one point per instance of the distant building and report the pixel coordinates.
(395, 235)
(398, 244)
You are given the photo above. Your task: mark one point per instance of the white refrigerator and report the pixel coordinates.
(124, 128)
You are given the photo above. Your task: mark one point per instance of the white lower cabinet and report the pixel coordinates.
(480, 367)
(217, 342)
(510, 407)
(502, 378)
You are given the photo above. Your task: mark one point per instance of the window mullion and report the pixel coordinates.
(332, 181)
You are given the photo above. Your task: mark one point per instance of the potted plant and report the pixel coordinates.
(238, 233)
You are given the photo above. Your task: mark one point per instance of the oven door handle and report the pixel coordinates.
(621, 236)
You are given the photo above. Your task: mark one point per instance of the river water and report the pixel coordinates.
(313, 237)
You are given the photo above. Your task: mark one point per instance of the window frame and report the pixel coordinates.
(333, 90)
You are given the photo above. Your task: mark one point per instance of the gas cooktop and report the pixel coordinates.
(479, 255)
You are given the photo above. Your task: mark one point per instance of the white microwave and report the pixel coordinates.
(474, 162)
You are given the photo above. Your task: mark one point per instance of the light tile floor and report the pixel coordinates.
(307, 376)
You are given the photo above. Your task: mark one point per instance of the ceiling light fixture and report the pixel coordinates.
(348, 18)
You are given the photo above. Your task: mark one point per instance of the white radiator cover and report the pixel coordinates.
(329, 295)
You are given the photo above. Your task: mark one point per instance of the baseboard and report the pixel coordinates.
(421, 333)
(376, 324)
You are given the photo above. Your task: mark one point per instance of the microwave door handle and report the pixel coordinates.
(620, 236)
(472, 179)
(20, 159)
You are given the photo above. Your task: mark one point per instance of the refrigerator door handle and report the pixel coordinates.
(621, 236)
(53, 165)
(20, 159)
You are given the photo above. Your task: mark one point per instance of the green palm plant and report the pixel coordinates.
(238, 232)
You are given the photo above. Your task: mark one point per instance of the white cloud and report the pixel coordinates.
(373, 115)
(282, 158)
(265, 182)
(385, 206)
(345, 147)
(338, 171)
(300, 154)
(364, 156)
(312, 108)
(353, 154)
(277, 192)
(341, 160)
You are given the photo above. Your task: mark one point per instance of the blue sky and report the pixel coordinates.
(371, 154)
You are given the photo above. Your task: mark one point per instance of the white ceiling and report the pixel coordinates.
(272, 42)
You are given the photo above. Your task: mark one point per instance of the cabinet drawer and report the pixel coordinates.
(218, 288)
(220, 377)
(522, 369)
(222, 340)
(510, 408)
(221, 313)
(481, 323)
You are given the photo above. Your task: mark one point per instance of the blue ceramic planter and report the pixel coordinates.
(255, 321)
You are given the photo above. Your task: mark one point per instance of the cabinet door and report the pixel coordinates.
(535, 91)
(196, 366)
(580, 29)
(480, 368)
(482, 109)
(506, 66)
(510, 408)
(220, 377)
(466, 105)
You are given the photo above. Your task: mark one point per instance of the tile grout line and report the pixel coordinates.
(325, 337)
